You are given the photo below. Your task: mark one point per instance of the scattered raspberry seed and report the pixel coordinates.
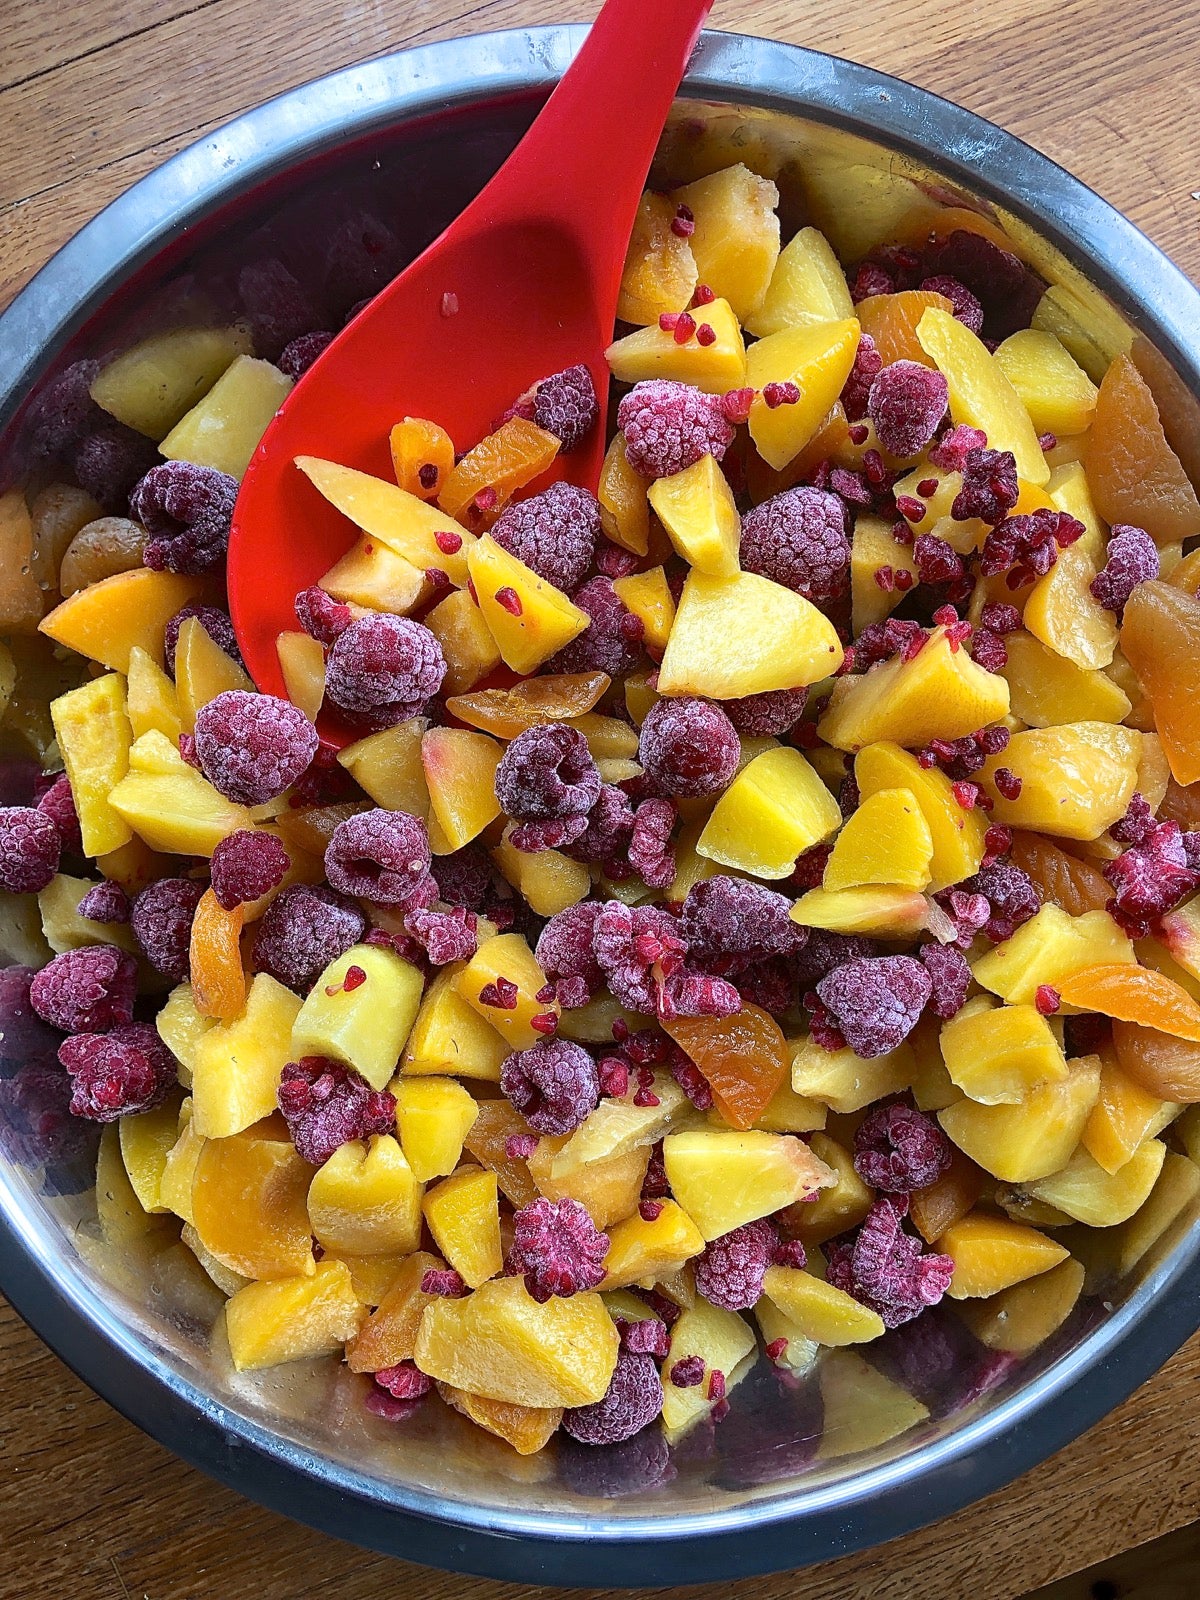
(706, 335)
(510, 600)
(500, 995)
(685, 327)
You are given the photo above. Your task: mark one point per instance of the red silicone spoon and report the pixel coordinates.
(534, 264)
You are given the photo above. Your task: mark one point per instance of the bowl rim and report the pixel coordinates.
(938, 1478)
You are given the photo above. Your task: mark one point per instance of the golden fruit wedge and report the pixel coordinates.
(460, 771)
(507, 956)
(501, 1344)
(776, 808)
(997, 1054)
(487, 1140)
(618, 1126)
(527, 1428)
(980, 393)
(503, 461)
(1076, 779)
(725, 1344)
(407, 525)
(152, 702)
(845, 1082)
(842, 1205)
(957, 836)
(146, 1141)
(880, 911)
(862, 1408)
(817, 358)
(736, 241)
(151, 385)
(1158, 637)
(175, 1188)
(724, 1179)
(202, 671)
(389, 1335)
(807, 285)
(366, 1200)
(434, 1116)
(249, 1206)
(797, 1354)
(608, 1190)
(660, 270)
(1055, 390)
(1061, 609)
(463, 1215)
(873, 548)
(826, 1315)
(1173, 1197)
(372, 576)
(644, 1252)
(1024, 1142)
(697, 508)
(365, 1026)
(223, 429)
(108, 619)
(1100, 1199)
(713, 368)
(91, 724)
(215, 960)
(388, 766)
(992, 1253)
(1134, 473)
(887, 840)
(538, 619)
(1019, 1319)
(449, 1037)
(293, 1319)
(1045, 688)
(1124, 1117)
(170, 805)
(302, 662)
(471, 652)
(1135, 994)
(624, 508)
(1047, 949)
(181, 1027)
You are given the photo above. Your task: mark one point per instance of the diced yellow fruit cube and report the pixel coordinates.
(65, 929)
(798, 1354)
(91, 724)
(624, 508)
(389, 1335)
(826, 1315)
(776, 808)
(817, 358)
(466, 640)
(887, 840)
(1055, 390)
(366, 1200)
(202, 671)
(460, 770)
(939, 694)
(790, 1112)
(302, 662)
(546, 620)
(842, 1205)
(724, 1179)
(660, 270)
(652, 353)
(156, 756)
(957, 835)
(225, 1278)
(373, 1276)
(743, 635)
(845, 1082)
(993, 1253)
(236, 1066)
(1021, 1143)
(293, 1319)
(407, 525)
(124, 1221)
(980, 393)
(175, 1186)
(152, 702)
(500, 1343)
(388, 766)
(176, 810)
(873, 548)
(548, 880)
(725, 1344)
(996, 1055)
(1076, 779)
(527, 1428)
(366, 1026)
(1174, 1197)
(642, 1252)
(617, 1126)
(881, 911)
(862, 1408)
(1061, 609)
(608, 1189)
(736, 242)
(223, 429)
(146, 1142)
(1123, 1118)
(1048, 948)
(151, 385)
(372, 576)
(1101, 1199)
(181, 1027)
(434, 1116)
(248, 1204)
(807, 285)
(450, 1037)
(649, 597)
(1046, 688)
(1019, 1319)
(697, 508)
(133, 866)
(507, 956)
(463, 1215)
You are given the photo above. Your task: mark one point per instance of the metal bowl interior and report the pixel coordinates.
(863, 1450)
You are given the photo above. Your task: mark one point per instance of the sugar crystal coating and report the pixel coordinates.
(670, 426)
(547, 771)
(799, 539)
(554, 533)
(321, 616)
(186, 510)
(109, 460)
(565, 952)
(247, 865)
(162, 923)
(1151, 878)
(651, 853)
(633, 1400)
(302, 931)
(384, 661)
(1010, 895)
(876, 1001)
(688, 747)
(298, 356)
(897, 1149)
(554, 1085)
(118, 1074)
(731, 1269)
(106, 902)
(89, 990)
(558, 1248)
(251, 747)
(967, 308)
(907, 401)
(950, 976)
(565, 405)
(605, 840)
(30, 846)
(734, 921)
(867, 365)
(378, 855)
(326, 1104)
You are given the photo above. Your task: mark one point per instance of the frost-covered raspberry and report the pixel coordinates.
(246, 865)
(554, 533)
(1005, 287)
(1136, 826)
(24, 1037)
(554, 1085)
(443, 935)
(876, 1002)
(565, 405)
(670, 426)
(688, 747)
(186, 510)
(733, 921)
(823, 951)
(565, 954)
(251, 746)
(216, 624)
(118, 1074)
(61, 411)
(162, 923)
(950, 976)
(321, 616)
(936, 560)
(867, 363)
(1150, 878)
(633, 1400)
(1026, 546)
(651, 853)
(106, 902)
(730, 1272)
(897, 1149)
(1010, 894)
(326, 1104)
(298, 356)
(885, 1267)
(798, 538)
(547, 771)
(86, 991)
(58, 803)
(907, 403)
(647, 1336)
(302, 931)
(279, 308)
(967, 308)
(379, 855)
(765, 715)
(108, 462)
(464, 878)
(30, 846)
(382, 660)
(558, 1248)
(1132, 559)
(605, 841)
(989, 482)
(628, 941)
(612, 642)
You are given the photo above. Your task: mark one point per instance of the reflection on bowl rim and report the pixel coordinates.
(937, 1478)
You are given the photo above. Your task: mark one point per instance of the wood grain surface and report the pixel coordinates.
(95, 93)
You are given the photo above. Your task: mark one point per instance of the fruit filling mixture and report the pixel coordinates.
(758, 901)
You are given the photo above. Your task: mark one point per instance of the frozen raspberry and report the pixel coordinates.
(162, 923)
(988, 650)
(109, 461)
(871, 279)
(62, 411)
(798, 538)
(565, 954)
(554, 533)
(730, 922)
(605, 840)
(118, 1074)
(30, 846)
(443, 935)
(765, 715)
(326, 1104)
(321, 616)
(554, 1085)
(279, 308)
(688, 1372)
(646, 1337)
(967, 308)
(1132, 559)
(823, 951)
(361, 254)
(1136, 826)
(936, 561)
(186, 510)
(253, 746)
(36, 1125)
(695, 1085)
(247, 865)
(378, 855)
(633, 1400)
(955, 446)
(298, 356)
(445, 1283)
(966, 914)
(688, 747)
(885, 1267)
(107, 902)
(89, 990)
(897, 1149)
(216, 624)
(565, 405)
(464, 878)
(989, 484)
(548, 833)
(628, 941)
(302, 931)
(558, 1248)
(547, 771)
(950, 976)
(866, 368)
(730, 1271)
(404, 1381)
(24, 1037)
(1005, 287)
(651, 853)
(906, 403)
(382, 660)
(58, 803)
(898, 636)
(684, 992)
(1027, 546)
(876, 1002)
(1151, 878)
(1010, 895)
(670, 426)
(770, 984)
(612, 642)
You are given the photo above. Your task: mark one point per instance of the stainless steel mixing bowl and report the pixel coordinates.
(790, 1477)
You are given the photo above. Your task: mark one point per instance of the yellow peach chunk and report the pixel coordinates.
(724, 1342)
(548, 880)
(1046, 688)
(697, 508)
(152, 701)
(845, 1082)
(293, 1319)
(723, 1179)
(649, 597)
(223, 429)
(1021, 1143)
(862, 1408)
(527, 1428)
(641, 1252)
(463, 1215)
(788, 1111)
(660, 270)
(874, 548)
(302, 662)
(175, 1186)
(389, 1335)
(807, 285)
(372, 576)
(842, 1205)
(817, 358)
(64, 928)
(881, 911)
(434, 1116)
(887, 840)
(1076, 779)
(608, 1189)
(776, 808)
(471, 652)
(826, 1315)
(146, 1142)
(202, 671)
(460, 770)
(181, 1027)
(1173, 1197)
(1019, 1319)
(997, 1054)
(405, 524)
(508, 956)
(366, 1025)
(151, 385)
(249, 1205)
(957, 835)
(736, 241)
(449, 1037)
(91, 724)
(1055, 390)
(980, 393)
(388, 766)
(1123, 1118)
(1061, 609)
(1047, 949)
(624, 508)
(992, 1253)
(652, 353)
(1100, 1199)
(618, 1126)
(108, 619)
(366, 1200)
(237, 1065)
(537, 620)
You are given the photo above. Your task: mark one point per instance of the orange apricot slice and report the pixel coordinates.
(215, 958)
(1130, 993)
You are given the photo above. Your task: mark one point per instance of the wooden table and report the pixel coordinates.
(93, 94)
